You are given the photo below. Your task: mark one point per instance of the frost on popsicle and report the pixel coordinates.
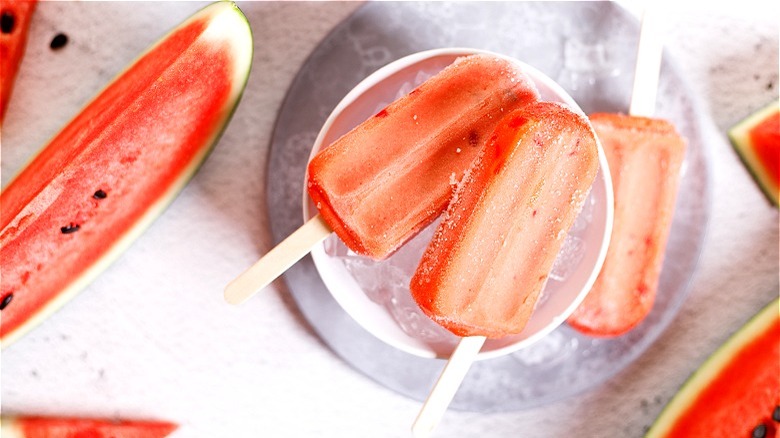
(492, 255)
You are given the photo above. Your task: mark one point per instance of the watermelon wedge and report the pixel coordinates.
(736, 392)
(15, 18)
(104, 178)
(54, 427)
(757, 141)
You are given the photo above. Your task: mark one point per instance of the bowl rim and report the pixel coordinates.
(603, 175)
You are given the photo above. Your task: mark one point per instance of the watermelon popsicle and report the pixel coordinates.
(645, 156)
(383, 181)
(491, 256)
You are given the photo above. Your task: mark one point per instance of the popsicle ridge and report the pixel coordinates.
(491, 255)
(645, 156)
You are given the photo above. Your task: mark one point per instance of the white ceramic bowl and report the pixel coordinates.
(560, 298)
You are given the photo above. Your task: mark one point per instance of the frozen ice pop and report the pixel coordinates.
(381, 183)
(385, 180)
(491, 255)
(644, 156)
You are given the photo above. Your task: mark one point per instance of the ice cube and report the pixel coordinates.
(588, 64)
(412, 320)
(570, 255)
(334, 247)
(549, 350)
(582, 56)
(387, 284)
(585, 217)
(370, 279)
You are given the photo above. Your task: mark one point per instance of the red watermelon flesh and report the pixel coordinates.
(52, 427)
(766, 138)
(116, 165)
(757, 141)
(736, 391)
(16, 18)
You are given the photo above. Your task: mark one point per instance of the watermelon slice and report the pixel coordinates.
(15, 18)
(736, 392)
(757, 141)
(53, 427)
(103, 179)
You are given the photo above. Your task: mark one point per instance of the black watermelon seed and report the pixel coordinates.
(100, 194)
(7, 22)
(473, 138)
(58, 41)
(6, 301)
(70, 228)
(776, 414)
(759, 431)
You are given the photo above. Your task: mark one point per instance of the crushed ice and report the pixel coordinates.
(387, 282)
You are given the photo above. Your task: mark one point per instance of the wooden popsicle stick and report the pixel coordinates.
(447, 385)
(9, 429)
(277, 260)
(648, 65)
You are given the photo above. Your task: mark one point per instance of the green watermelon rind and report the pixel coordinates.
(242, 54)
(739, 135)
(711, 368)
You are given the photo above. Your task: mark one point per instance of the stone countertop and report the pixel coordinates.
(152, 337)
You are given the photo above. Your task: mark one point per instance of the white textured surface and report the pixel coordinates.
(153, 338)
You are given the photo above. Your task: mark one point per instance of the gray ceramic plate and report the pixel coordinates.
(589, 48)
